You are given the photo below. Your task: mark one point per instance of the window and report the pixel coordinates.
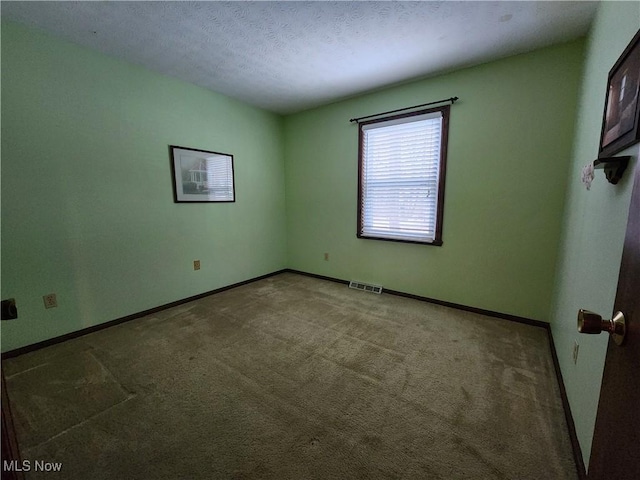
(401, 176)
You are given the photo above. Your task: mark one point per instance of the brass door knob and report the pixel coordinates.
(592, 323)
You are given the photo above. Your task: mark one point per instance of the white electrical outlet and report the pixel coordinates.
(50, 300)
(576, 348)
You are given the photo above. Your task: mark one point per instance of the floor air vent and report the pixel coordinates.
(365, 287)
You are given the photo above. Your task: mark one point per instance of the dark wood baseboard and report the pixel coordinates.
(111, 323)
(315, 275)
(481, 311)
(575, 444)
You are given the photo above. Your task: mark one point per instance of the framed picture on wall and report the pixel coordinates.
(201, 175)
(621, 119)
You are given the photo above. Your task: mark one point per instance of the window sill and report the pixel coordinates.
(436, 243)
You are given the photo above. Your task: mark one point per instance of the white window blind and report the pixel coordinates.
(399, 178)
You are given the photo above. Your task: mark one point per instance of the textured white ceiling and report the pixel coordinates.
(289, 56)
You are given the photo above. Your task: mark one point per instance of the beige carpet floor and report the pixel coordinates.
(293, 377)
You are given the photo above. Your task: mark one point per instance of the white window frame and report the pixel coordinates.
(373, 223)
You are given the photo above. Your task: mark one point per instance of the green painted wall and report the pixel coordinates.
(593, 227)
(87, 201)
(509, 148)
(88, 212)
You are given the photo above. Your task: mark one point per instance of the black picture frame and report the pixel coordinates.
(621, 116)
(201, 176)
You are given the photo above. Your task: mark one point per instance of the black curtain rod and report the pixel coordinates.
(452, 100)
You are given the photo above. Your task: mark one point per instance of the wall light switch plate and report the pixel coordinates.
(196, 264)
